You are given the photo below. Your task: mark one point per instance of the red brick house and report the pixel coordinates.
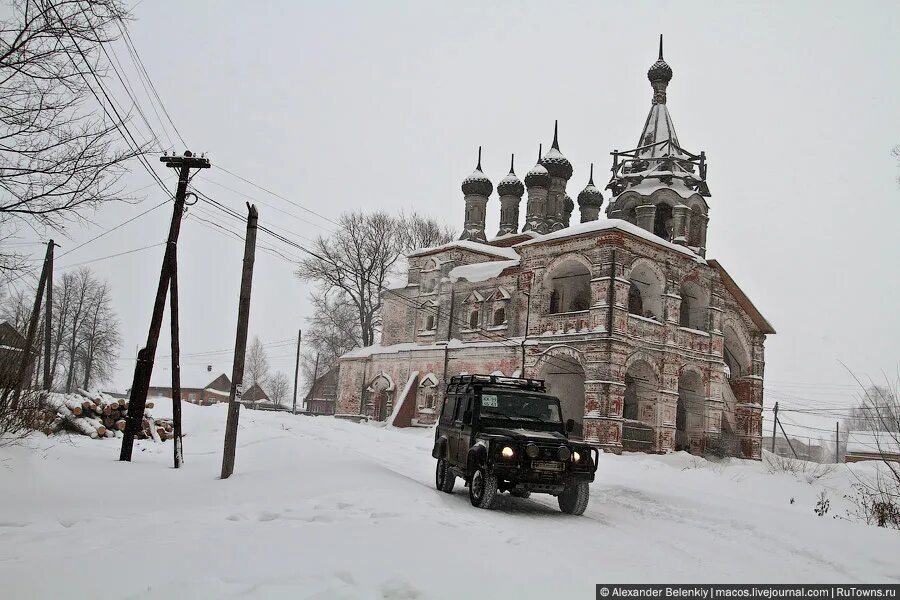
(199, 385)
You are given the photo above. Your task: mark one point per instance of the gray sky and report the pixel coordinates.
(343, 106)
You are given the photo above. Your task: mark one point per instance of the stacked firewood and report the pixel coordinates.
(101, 416)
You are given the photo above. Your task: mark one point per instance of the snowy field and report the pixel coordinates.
(319, 508)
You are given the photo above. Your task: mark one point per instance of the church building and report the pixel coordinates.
(649, 345)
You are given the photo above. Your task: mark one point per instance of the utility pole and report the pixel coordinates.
(297, 369)
(790, 445)
(774, 423)
(48, 317)
(315, 371)
(176, 360)
(837, 441)
(30, 334)
(240, 344)
(144, 367)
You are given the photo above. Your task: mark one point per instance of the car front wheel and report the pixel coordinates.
(574, 499)
(444, 479)
(483, 488)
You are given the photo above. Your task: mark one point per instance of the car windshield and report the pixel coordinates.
(527, 407)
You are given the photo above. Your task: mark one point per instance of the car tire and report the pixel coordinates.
(483, 488)
(444, 479)
(520, 493)
(574, 499)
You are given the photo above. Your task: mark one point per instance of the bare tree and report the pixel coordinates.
(59, 153)
(80, 283)
(333, 330)
(356, 261)
(358, 258)
(417, 231)
(878, 496)
(279, 388)
(16, 309)
(256, 368)
(100, 339)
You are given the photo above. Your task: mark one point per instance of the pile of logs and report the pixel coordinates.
(101, 416)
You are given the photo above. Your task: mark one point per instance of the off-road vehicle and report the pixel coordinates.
(505, 434)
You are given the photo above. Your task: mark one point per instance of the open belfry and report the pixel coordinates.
(649, 345)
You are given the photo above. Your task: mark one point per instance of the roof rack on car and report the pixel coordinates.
(500, 381)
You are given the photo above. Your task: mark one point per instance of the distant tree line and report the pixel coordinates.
(85, 333)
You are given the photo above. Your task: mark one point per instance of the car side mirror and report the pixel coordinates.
(570, 425)
(467, 417)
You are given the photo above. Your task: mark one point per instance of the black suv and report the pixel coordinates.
(504, 434)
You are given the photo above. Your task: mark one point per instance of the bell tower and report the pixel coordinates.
(659, 185)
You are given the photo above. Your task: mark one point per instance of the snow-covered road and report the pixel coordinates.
(320, 508)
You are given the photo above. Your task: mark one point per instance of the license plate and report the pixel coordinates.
(547, 465)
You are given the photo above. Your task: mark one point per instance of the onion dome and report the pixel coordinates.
(660, 71)
(660, 74)
(477, 184)
(590, 195)
(570, 205)
(538, 176)
(555, 163)
(511, 185)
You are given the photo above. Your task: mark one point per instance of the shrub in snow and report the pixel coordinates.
(803, 470)
(874, 507)
(822, 505)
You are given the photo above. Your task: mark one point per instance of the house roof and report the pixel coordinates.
(194, 375)
(507, 253)
(743, 301)
(873, 442)
(11, 338)
(592, 227)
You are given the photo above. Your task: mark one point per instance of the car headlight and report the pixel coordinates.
(532, 450)
(564, 453)
(507, 452)
(576, 456)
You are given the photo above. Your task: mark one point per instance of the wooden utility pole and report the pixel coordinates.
(790, 445)
(176, 360)
(240, 344)
(30, 334)
(297, 369)
(837, 441)
(144, 368)
(48, 317)
(774, 423)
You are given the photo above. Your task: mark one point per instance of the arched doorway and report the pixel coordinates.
(690, 416)
(564, 377)
(379, 405)
(639, 406)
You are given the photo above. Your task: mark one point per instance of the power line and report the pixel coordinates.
(256, 185)
(137, 147)
(142, 69)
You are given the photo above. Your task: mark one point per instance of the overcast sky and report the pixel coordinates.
(344, 106)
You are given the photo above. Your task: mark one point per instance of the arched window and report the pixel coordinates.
(499, 316)
(473, 319)
(645, 293)
(694, 307)
(631, 215)
(635, 305)
(570, 288)
(662, 223)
